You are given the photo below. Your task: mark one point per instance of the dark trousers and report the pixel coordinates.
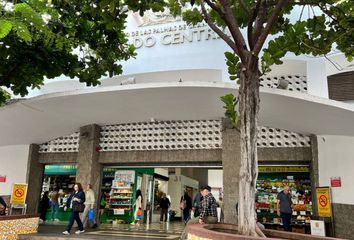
(186, 214)
(286, 219)
(74, 216)
(43, 214)
(163, 213)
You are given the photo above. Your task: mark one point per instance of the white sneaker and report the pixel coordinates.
(79, 232)
(66, 233)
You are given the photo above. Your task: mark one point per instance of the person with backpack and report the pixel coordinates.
(186, 206)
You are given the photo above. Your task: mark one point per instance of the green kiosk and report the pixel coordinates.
(118, 190)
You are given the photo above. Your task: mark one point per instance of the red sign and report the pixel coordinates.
(336, 182)
(2, 178)
(323, 200)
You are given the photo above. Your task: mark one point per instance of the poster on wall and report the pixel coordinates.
(2, 178)
(336, 182)
(19, 193)
(125, 177)
(323, 202)
(318, 228)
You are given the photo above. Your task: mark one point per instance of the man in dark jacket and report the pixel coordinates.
(164, 205)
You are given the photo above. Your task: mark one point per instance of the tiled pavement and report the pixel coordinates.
(154, 231)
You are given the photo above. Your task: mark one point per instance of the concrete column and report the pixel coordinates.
(231, 162)
(34, 178)
(314, 172)
(89, 170)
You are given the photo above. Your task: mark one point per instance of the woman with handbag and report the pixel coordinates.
(76, 202)
(138, 213)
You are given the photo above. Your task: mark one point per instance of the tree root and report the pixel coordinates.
(260, 232)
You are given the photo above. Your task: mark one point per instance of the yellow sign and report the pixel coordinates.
(283, 169)
(323, 202)
(19, 193)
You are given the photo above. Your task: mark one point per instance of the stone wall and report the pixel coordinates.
(343, 220)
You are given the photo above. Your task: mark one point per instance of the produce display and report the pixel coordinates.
(266, 200)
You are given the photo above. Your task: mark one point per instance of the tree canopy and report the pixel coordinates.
(45, 39)
(320, 27)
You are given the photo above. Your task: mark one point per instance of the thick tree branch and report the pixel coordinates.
(218, 31)
(252, 18)
(270, 23)
(215, 8)
(262, 18)
(234, 28)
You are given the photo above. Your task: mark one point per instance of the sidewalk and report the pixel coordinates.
(154, 231)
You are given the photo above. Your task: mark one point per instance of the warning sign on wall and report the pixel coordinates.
(19, 192)
(323, 201)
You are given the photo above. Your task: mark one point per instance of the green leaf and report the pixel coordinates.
(5, 28)
(22, 31)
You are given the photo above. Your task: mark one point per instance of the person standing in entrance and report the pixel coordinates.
(138, 207)
(186, 206)
(164, 205)
(284, 208)
(89, 204)
(196, 203)
(76, 202)
(54, 198)
(43, 207)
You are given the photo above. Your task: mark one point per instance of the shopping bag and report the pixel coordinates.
(91, 215)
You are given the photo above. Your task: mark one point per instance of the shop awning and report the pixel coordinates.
(40, 119)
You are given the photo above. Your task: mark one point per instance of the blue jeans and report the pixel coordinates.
(55, 208)
(286, 219)
(75, 216)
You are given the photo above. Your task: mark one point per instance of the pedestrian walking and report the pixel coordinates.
(284, 208)
(103, 204)
(54, 199)
(43, 206)
(138, 213)
(164, 206)
(76, 203)
(89, 206)
(186, 206)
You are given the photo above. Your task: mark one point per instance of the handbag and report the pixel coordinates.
(140, 214)
(183, 204)
(78, 207)
(91, 215)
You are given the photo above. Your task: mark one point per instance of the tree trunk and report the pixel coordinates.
(248, 110)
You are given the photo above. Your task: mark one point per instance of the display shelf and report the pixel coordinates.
(266, 200)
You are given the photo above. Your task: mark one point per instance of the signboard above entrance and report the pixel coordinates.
(271, 169)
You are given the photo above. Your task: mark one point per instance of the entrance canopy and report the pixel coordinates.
(40, 119)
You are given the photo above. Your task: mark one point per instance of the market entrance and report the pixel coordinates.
(119, 190)
(119, 187)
